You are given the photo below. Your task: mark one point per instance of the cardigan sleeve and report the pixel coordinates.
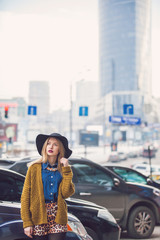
(67, 186)
(25, 201)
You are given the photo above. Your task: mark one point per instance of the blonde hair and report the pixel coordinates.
(44, 158)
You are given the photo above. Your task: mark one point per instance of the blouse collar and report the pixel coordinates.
(45, 165)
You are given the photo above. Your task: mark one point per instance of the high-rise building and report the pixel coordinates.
(125, 53)
(39, 97)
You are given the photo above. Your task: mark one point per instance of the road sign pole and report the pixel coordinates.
(149, 154)
(104, 125)
(85, 150)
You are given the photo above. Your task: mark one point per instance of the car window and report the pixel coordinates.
(10, 188)
(129, 175)
(90, 174)
(20, 167)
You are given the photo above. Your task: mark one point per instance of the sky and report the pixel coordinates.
(55, 41)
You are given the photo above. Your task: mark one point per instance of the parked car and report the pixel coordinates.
(136, 207)
(16, 163)
(11, 226)
(147, 154)
(122, 156)
(113, 157)
(131, 175)
(98, 222)
(130, 203)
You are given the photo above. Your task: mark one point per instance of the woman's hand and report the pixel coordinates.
(28, 231)
(64, 161)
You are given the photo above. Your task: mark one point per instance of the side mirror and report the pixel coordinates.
(149, 181)
(116, 181)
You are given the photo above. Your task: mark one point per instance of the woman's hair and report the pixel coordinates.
(44, 159)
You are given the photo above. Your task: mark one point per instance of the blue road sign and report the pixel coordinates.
(32, 110)
(125, 120)
(128, 109)
(83, 111)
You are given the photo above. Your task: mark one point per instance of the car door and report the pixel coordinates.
(97, 185)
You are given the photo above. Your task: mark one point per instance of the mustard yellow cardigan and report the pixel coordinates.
(33, 211)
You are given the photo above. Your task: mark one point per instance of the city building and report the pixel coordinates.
(125, 45)
(125, 62)
(39, 97)
(86, 98)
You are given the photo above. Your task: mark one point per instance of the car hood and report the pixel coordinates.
(142, 190)
(70, 201)
(139, 185)
(80, 202)
(10, 204)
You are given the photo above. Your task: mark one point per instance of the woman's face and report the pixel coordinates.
(52, 148)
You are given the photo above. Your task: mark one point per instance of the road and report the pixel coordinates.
(155, 235)
(100, 155)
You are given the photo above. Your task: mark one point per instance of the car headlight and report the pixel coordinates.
(77, 227)
(156, 192)
(106, 215)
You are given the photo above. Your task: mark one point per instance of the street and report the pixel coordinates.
(155, 235)
(100, 155)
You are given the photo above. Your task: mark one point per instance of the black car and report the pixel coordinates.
(131, 175)
(11, 226)
(98, 222)
(136, 207)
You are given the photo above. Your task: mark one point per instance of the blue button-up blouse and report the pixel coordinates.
(51, 181)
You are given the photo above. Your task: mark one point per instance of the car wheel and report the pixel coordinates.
(141, 223)
(92, 233)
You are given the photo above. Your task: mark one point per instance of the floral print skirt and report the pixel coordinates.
(52, 226)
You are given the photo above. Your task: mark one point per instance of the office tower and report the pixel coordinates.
(39, 96)
(125, 53)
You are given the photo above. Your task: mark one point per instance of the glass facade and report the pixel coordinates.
(124, 48)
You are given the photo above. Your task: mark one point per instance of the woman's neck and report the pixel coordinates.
(52, 160)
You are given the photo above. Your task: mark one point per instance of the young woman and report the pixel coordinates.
(48, 183)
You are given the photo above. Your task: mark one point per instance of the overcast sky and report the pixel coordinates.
(56, 41)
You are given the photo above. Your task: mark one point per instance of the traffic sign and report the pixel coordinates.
(32, 110)
(83, 111)
(128, 109)
(125, 120)
(88, 138)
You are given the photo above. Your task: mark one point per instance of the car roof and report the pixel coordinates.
(76, 158)
(11, 171)
(127, 168)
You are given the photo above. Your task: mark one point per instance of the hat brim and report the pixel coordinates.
(41, 138)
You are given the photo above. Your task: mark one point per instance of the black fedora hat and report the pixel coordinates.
(41, 138)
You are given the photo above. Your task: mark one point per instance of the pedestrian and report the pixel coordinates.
(48, 183)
